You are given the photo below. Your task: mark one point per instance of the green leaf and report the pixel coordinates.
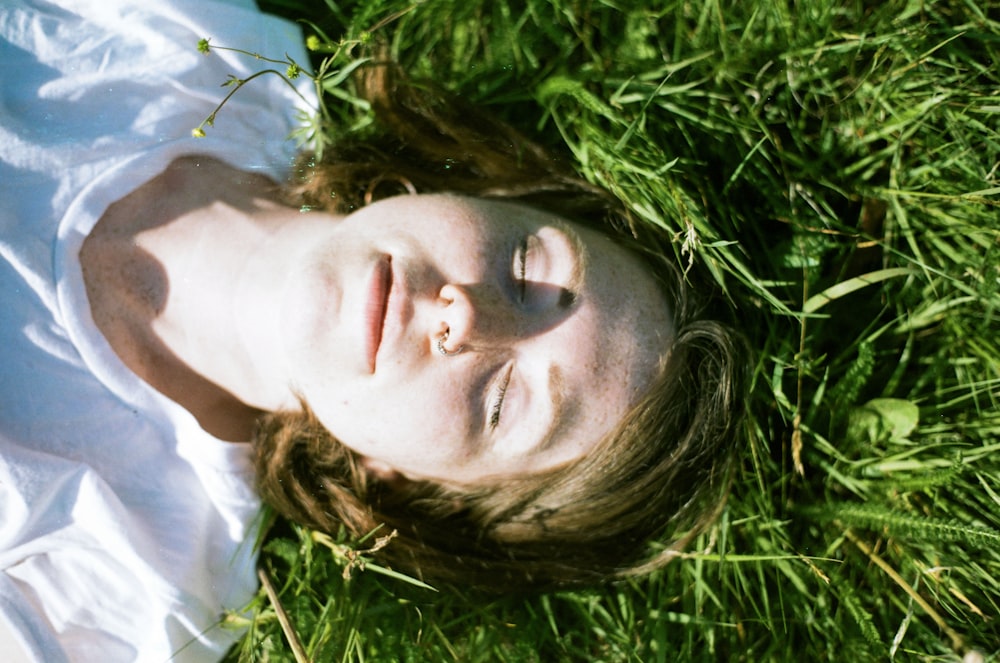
(820, 300)
(883, 418)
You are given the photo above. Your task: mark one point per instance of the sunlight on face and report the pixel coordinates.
(559, 330)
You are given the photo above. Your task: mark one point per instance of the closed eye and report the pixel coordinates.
(521, 269)
(501, 390)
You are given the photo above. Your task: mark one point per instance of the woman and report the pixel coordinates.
(649, 463)
(477, 366)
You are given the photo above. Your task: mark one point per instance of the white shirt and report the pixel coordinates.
(126, 530)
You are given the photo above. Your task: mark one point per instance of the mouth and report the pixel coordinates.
(379, 287)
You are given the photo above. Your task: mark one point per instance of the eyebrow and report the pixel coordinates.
(579, 258)
(557, 398)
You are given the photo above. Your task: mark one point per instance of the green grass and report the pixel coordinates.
(836, 166)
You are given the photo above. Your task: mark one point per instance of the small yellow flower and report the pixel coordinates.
(198, 132)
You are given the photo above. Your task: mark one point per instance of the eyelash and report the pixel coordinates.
(498, 403)
(520, 270)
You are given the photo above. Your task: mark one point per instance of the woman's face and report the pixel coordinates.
(559, 331)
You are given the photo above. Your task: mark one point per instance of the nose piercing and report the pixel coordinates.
(443, 350)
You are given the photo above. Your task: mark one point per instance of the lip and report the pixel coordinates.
(376, 306)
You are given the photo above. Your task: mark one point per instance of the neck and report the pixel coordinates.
(185, 277)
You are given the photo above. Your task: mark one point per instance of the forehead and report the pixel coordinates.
(630, 331)
(621, 331)
(613, 346)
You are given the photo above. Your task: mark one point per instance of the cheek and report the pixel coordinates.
(410, 427)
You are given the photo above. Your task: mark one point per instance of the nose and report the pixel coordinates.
(476, 318)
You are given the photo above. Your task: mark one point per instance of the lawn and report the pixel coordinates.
(835, 167)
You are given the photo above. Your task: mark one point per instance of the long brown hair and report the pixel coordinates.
(639, 495)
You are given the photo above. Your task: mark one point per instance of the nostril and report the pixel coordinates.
(447, 294)
(458, 316)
